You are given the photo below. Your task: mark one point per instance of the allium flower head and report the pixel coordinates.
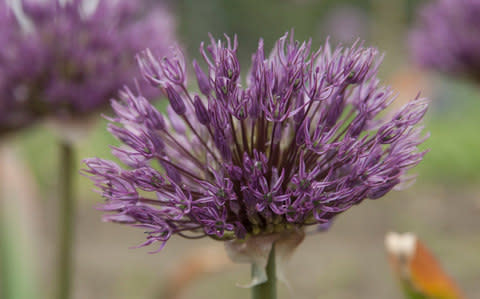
(67, 58)
(447, 37)
(302, 139)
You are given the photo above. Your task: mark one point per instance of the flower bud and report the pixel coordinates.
(200, 111)
(176, 100)
(202, 79)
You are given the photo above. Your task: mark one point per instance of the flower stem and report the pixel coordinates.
(268, 289)
(66, 221)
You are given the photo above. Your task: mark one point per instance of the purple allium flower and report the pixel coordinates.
(302, 139)
(447, 37)
(67, 58)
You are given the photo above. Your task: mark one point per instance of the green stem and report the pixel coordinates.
(66, 221)
(8, 274)
(17, 278)
(268, 289)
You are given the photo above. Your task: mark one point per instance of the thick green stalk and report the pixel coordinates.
(17, 277)
(268, 289)
(9, 276)
(66, 221)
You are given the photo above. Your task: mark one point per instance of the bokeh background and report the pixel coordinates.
(348, 261)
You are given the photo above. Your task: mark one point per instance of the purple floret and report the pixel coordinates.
(305, 138)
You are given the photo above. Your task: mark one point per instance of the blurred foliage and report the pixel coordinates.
(454, 143)
(251, 19)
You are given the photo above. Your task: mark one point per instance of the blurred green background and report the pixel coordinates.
(443, 206)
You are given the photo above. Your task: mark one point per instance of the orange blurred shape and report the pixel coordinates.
(418, 270)
(410, 82)
(197, 263)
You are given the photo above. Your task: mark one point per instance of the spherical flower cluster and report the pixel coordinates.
(303, 139)
(446, 37)
(67, 58)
